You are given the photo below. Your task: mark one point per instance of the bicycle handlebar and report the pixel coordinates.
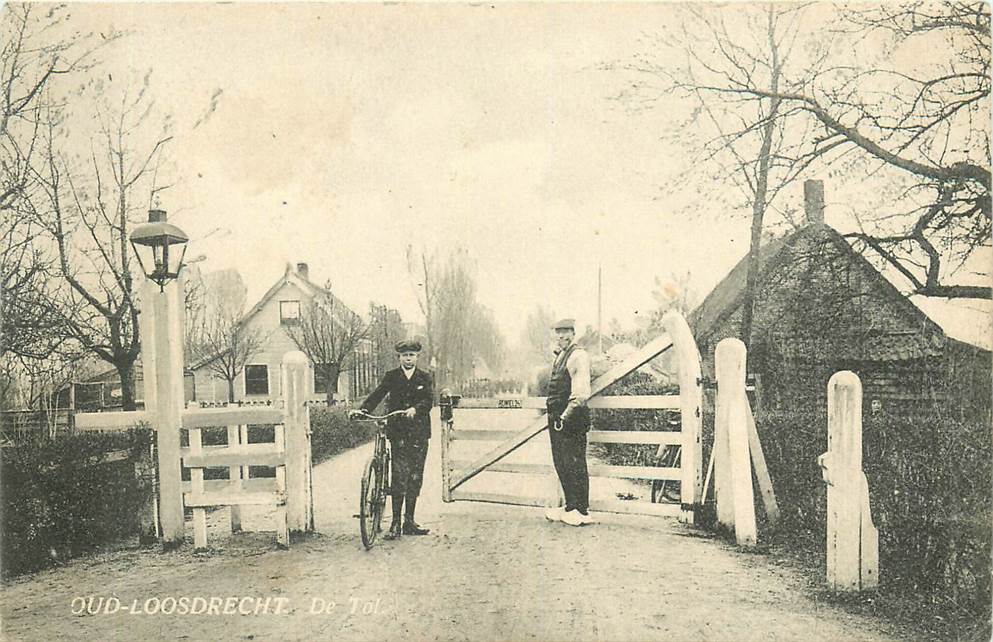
(378, 417)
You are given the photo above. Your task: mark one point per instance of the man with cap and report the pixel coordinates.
(568, 423)
(410, 389)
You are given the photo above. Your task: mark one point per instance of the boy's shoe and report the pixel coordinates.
(586, 519)
(412, 528)
(394, 531)
(555, 514)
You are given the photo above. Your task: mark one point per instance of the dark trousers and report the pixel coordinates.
(407, 467)
(569, 458)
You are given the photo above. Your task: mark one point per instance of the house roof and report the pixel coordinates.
(968, 322)
(290, 276)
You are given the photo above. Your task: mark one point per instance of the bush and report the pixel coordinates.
(636, 383)
(333, 432)
(929, 485)
(58, 504)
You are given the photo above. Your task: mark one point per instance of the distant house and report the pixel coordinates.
(103, 391)
(278, 309)
(822, 307)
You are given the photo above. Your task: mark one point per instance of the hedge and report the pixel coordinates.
(332, 432)
(57, 503)
(929, 491)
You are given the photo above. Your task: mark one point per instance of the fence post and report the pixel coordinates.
(161, 333)
(721, 472)
(732, 465)
(234, 475)
(446, 457)
(297, 425)
(852, 539)
(691, 414)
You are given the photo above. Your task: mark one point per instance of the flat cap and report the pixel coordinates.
(564, 324)
(408, 345)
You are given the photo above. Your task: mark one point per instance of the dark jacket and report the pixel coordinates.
(400, 394)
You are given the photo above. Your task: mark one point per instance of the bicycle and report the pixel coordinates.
(376, 482)
(666, 491)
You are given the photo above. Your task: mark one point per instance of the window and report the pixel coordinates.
(289, 312)
(256, 380)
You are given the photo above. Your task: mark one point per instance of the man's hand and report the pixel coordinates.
(410, 412)
(352, 414)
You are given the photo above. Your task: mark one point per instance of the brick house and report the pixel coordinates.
(279, 308)
(821, 307)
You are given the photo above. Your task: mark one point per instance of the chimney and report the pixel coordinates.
(303, 271)
(813, 202)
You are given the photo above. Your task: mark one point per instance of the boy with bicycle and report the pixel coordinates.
(410, 389)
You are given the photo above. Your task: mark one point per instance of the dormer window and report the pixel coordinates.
(289, 312)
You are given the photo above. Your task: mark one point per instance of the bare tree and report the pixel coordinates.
(739, 142)
(88, 208)
(463, 333)
(536, 337)
(423, 271)
(222, 340)
(919, 123)
(36, 57)
(328, 333)
(385, 329)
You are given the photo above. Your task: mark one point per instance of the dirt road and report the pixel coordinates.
(486, 572)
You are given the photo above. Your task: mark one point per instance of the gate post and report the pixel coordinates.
(852, 539)
(732, 463)
(691, 414)
(296, 421)
(161, 334)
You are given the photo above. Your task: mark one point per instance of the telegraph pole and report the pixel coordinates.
(599, 308)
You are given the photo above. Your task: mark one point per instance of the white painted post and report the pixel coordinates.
(731, 399)
(722, 413)
(282, 519)
(234, 475)
(243, 439)
(296, 421)
(691, 414)
(161, 333)
(197, 491)
(852, 539)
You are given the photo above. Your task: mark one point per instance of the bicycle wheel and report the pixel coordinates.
(370, 506)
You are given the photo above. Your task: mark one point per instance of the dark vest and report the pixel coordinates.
(559, 389)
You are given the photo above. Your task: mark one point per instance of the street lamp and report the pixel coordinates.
(158, 235)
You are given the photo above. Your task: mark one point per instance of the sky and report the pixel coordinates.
(337, 135)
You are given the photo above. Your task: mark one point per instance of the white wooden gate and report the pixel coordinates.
(456, 472)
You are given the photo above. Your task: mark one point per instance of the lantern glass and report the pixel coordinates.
(151, 242)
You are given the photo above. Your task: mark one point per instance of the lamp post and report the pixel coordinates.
(161, 332)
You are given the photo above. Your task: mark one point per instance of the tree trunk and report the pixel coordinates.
(761, 192)
(231, 390)
(125, 370)
(331, 378)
